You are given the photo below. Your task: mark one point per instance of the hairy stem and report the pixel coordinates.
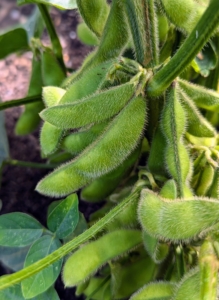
(9, 280)
(57, 48)
(18, 102)
(190, 48)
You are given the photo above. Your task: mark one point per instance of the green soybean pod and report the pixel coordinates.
(178, 220)
(173, 126)
(189, 287)
(86, 36)
(91, 108)
(197, 125)
(50, 135)
(94, 14)
(128, 278)
(52, 73)
(213, 192)
(205, 180)
(29, 120)
(202, 97)
(169, 190)
(120, 138)
(163, 28)
(183, 15)
(102, 187)
(98, 289)
(89, 258)
(155, 290)
(208, 264)
(157, 166)
(76, 142)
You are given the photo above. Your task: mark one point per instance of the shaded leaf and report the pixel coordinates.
(62, 4)
(13, 41)
(63, 219)
(40, 282)
(13, 258)
(19, 230)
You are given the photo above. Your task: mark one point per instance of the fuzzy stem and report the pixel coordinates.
(20, 163)
(9, 280)
(18, 102)
(57, 48)
(190, 48)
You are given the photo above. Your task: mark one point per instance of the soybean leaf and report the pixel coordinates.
(34, 25)
(13, 258)
(4, 148)
(13, 41)
(39, 283)
(64, 217)
(61, 4)
(80, 228)
(19, 230)
(15, 292)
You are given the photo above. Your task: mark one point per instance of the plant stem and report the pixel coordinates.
(9, 280)
(57, 48)
(18, 102)
(190, 48)
(20, 163)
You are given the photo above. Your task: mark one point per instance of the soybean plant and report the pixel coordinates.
(135, 126)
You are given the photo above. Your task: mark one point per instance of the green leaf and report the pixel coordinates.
(34, 25)
(19, 230)
(63, 219)
(13, 258)
(80, 228)
(61, 4)
(40, 282)
(4, 148)
(13, 41)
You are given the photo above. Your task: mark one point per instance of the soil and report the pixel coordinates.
(18, 183)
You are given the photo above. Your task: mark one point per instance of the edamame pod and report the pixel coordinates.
(189, 287)
(128, 278)
(78, 141)
(208, 264)
(86, 36)
(202, 97)
(213, 192)
(52, 73)
(169, 190)
(101, 286)
(94, 109)
(95, 254)
(102, 187)
(155, 290)
(173, 126)
(29, 120)
(110, 150)
(50, 135)
(197, 125)
(179, 220)
(94, 14)
(205, 180)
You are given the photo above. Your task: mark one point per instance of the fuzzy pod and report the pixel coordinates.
(76, 142)
(120, 138)
(213, 192)
(98, 288)
(102, 187)
(52, 95)
(179, 220)
(169, 190)
(94, 109)
(157, 150)
(205, 180)
(88, 259)
(29, 120)
(50, 135)
(94, 14)
(163, 28)
(156, 250)
(128, 278)
(202, 97)
(52, 72)
(173, 125)
(184, 15)
(143, 25)
(155, 290)
(86, 36)
(197, 125)
(189, 286)
(208, 264)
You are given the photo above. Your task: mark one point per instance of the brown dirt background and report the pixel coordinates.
(18, 184)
